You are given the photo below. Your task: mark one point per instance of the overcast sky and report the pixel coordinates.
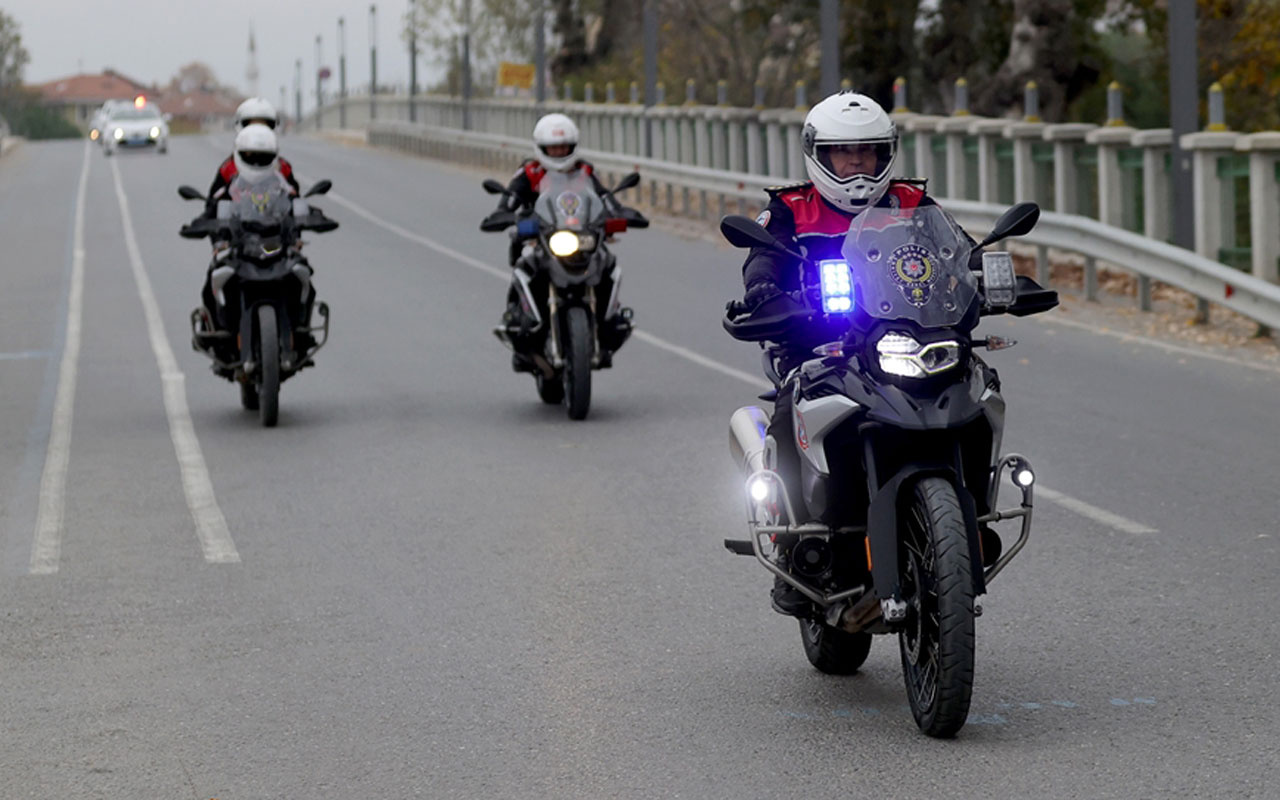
(148, 40)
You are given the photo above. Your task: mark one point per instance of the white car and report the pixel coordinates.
(100, 117)
(136, 125)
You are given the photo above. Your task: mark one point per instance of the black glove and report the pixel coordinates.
(759, 293)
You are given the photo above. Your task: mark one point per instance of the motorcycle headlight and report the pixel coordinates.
(155, 132)
(901, 354)
(837, 286)
(563, 243)
(118, 134)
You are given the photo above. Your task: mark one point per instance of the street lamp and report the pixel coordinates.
(297, 92)
(373, 61)
(413, 59)
(342, 73)
(319, 67)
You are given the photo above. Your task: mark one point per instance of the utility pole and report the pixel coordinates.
(466, 65)
(1184, 115)
(342, 73)
(650, 25)
(829, 36)
(373, 61)
(319, 63)
(413, 60)
(297, 93)
(540, 52)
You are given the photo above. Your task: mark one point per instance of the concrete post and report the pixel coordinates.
(988, 131)
(922, 127)
(1264, 202)
(956, 130)
(1024, 136)
(1210, 202)
(1155, 193)
(1109, 141)
(1066, 138)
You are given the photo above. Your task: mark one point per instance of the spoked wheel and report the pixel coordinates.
(551, 390)
(268, 382)
(832, 650)
(937, 585)
(577, 368)
(248, 396)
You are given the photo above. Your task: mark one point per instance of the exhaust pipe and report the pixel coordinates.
(747, 429)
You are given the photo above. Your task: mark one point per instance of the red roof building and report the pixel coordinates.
(79, 96)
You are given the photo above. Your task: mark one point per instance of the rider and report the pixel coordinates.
(255, 157)
(254, 111)
(850, 145)
(555, 138)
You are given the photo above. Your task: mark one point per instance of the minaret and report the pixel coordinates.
(251, 72)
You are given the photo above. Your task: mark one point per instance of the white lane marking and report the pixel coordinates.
(489, 269)
(1167, 347)
(46, 549)
(211, 526)
(1093, 512)
(1079, 506)
(23, 355)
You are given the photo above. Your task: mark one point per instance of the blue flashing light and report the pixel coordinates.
(837, 286)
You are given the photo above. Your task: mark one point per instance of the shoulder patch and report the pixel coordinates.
(763, 219)
(789, 187)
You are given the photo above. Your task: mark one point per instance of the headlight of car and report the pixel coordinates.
(118, 134)
(563, 243)
(901, 354)
(93, 135)
(155, 132)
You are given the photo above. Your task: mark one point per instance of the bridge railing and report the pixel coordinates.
(704, 193)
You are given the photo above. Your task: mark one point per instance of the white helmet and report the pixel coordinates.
(256, 109)
(256, 152)
(849, 118)
(550, 130)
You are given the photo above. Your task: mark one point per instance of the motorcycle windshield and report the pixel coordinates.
(910, 264)
(265, 201)
(568, 200)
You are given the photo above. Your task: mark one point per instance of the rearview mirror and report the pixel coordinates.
(626, 183)
(320, 188)
(493, 187)
(189, 193)
(1017, 221)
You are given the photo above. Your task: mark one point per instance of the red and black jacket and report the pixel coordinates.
(803, 221)
(227, 172)
(525, 184)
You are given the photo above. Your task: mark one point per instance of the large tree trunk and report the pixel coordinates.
(1046, 47)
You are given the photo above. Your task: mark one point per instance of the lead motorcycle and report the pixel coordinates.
(897, 424)
(262, 286)
(556, 282)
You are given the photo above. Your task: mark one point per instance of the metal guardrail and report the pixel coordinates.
(708, 194)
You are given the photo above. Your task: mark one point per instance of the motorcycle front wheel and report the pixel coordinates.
(268, 382)
(577, 368)
(937, 639)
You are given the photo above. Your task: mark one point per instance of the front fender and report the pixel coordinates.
(882, 527)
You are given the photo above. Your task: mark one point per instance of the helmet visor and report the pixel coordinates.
(846, 160)
(560, 150)
(270, 122)
(257, 158)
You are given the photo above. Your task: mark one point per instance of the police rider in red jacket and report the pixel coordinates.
(850, 145)
(254, 111)
(555, 140)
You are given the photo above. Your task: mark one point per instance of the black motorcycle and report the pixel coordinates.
(262, 288)
(566, 285)
(897, 427)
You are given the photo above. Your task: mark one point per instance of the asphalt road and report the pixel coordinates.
(425, 583)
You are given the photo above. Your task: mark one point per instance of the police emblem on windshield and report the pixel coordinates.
(912, 268)
(569, 203)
